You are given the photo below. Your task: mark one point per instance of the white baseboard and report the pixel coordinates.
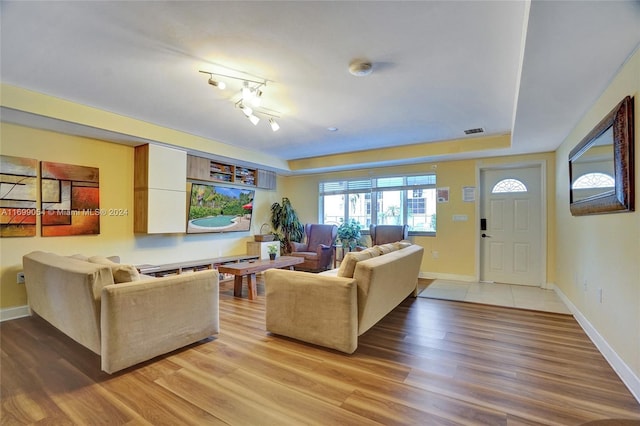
(14, 313)
(452, 277)
(625, 373)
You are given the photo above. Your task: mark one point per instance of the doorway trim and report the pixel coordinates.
(542, 165)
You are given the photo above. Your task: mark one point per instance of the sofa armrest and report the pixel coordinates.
(325, 254)
(144, 319)
(384, 282)
(317, 309)
(66, 293)
(296, 246)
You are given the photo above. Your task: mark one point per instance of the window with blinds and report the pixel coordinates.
(389, 200)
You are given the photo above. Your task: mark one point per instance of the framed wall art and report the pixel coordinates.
(18, 192)
(70, 199)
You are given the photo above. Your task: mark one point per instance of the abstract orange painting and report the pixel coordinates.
(70, 199)
(18, 186)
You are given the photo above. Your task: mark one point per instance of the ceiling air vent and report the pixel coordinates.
(472, 131)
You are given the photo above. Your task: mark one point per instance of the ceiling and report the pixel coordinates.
(528, 70)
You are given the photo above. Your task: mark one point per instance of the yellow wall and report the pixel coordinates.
(116, 191)
(60, 109)
(455, 242)
(603, 251)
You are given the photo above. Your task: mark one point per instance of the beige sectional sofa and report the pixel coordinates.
(126, 321)
(333, 308)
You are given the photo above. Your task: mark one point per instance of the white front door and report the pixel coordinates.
(511, 226)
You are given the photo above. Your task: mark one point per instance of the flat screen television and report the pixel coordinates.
(216, 208)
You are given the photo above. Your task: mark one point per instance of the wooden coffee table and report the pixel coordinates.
(249, 269)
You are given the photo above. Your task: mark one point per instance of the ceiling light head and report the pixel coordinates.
(254, 120)
(360, 68)
(219, 84)
(256, 98)
(274, 125)
(251, 95)
(245, 110)
(247, 93)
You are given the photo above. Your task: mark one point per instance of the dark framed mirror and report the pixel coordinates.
(601, 169)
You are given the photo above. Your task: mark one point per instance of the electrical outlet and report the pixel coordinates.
(435, 254)
(20, 278)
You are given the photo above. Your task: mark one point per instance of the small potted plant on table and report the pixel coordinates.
(273, 250)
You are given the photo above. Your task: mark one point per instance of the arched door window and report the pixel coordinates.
(509, 185)
(594, 180)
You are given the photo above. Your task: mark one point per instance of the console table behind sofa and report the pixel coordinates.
(191, 265)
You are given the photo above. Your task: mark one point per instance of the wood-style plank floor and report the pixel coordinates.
(429, 362)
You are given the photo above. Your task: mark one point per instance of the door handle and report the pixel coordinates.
(486, 236)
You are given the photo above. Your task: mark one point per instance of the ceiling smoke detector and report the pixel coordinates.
(360, 68)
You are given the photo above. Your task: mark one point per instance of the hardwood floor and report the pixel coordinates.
(429, 362)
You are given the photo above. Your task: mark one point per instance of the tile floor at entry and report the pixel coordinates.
(515, 296)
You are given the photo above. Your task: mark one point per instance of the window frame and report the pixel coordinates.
(348, 186)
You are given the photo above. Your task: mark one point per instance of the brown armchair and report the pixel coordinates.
(383, 234)
(317, 248)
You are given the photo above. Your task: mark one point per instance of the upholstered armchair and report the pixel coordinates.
(383, 234)
(317, 248)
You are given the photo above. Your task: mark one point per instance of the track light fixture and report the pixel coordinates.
(250, 113)
(250, 91)
(219, 84)
(274, 124)
(250, 94)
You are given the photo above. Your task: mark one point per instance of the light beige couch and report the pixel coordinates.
(333, 308)
(125, 323)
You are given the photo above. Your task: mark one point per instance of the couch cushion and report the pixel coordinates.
(348, 264)
(122, 273)
(373, 251)
(311, 255)
(329, 272)
(79, 257)
(387, 248)
(115, 259)
(402, 244)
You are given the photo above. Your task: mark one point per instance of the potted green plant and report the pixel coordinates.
(273, 251)
(349, 234)
(285, 223)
